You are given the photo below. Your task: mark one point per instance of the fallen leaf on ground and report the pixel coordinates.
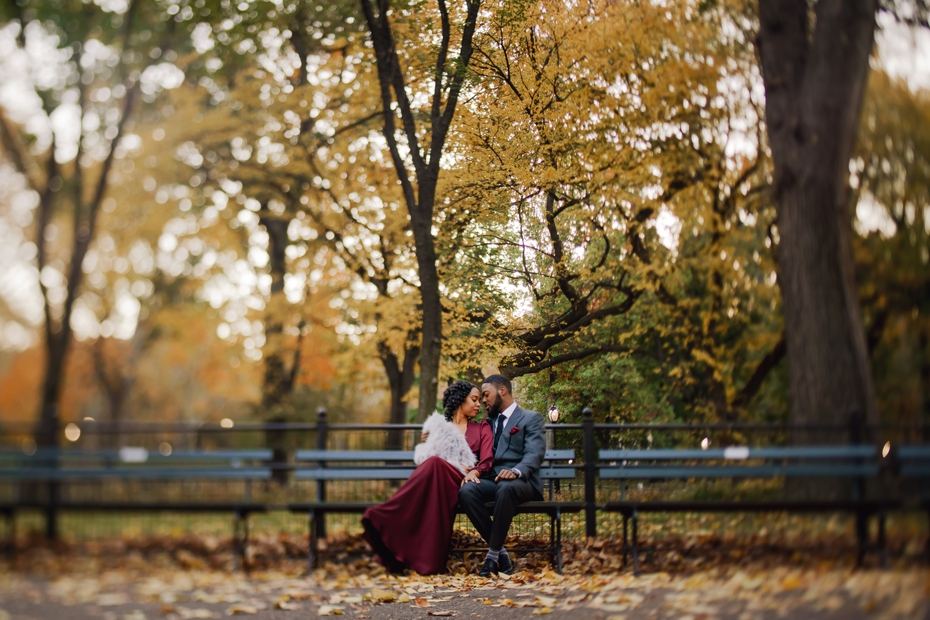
(382, 596)
(288, 606)
(330, 610)
(112, 599)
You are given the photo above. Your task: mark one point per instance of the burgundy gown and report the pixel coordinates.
(413, 529)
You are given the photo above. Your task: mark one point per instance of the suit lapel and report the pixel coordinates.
(504, 441)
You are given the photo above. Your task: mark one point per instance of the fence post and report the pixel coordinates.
(590, 505)
(321, 432)
(50, 441)
(856, 437)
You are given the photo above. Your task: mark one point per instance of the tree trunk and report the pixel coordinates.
(449, 77)
(400, 376)
(431, 306)
(814, 88)
(278, 381)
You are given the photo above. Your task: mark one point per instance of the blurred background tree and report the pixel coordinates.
(228, 210)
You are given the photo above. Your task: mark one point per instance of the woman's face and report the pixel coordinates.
(471, 406)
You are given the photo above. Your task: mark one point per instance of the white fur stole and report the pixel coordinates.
(446, 442)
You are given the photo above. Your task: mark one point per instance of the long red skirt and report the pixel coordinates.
(415, 525)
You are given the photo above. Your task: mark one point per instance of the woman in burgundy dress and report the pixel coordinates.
(413, 529)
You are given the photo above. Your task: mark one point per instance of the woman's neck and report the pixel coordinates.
(460, 420)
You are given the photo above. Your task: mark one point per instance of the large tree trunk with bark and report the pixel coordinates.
(814, 84)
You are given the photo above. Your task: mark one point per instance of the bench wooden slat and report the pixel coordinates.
(146, 473)
(45, 454)
(753, 471)
(557, 473)
(738, 452)
(913, 452)
(354, 455)
(748, 506)
(915, 471)
(395, 455)
(359, 507)
(161, 506)
(327, 473)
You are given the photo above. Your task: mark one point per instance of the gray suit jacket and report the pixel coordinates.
(523, 448)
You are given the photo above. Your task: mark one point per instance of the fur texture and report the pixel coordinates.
(446, 442)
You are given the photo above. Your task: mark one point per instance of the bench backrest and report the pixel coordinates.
(914, 461)
(397, 465)
(136, 463)
(740, 462)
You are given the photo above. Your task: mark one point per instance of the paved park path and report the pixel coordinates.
(143, 590)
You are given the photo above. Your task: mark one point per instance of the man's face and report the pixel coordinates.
(491, 399)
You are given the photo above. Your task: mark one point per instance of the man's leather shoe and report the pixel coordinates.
(505, 565)
(490, 568)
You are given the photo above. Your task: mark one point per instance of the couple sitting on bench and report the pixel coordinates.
(463, 463)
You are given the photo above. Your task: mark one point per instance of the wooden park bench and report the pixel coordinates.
(334, 465)
(48, 466)
(856, 463)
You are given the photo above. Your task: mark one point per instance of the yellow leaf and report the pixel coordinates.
(330, 610)
(791, 582)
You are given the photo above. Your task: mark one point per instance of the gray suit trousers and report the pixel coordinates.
(506, 495)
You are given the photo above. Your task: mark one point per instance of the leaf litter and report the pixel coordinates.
(757, 579)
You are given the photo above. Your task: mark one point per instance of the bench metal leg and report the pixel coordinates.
(635, 545)
(11, 534)
(241, 540)
(552, 537)
(862, 536)
(927, 546)
(626, 540)
(882, 542)
(311, 543)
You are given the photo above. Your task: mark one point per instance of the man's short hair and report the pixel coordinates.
(499, 381)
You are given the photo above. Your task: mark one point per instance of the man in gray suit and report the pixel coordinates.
(519, 450)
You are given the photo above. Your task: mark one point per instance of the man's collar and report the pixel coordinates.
(509, 410)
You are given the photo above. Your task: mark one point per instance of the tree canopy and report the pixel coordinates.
(255, 209)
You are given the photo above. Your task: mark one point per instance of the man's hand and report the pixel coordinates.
(506, 474)
(424, 437)
(471, 476)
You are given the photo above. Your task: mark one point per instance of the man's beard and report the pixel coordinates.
(495, 408)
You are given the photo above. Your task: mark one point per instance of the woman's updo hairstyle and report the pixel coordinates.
(454, 396)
